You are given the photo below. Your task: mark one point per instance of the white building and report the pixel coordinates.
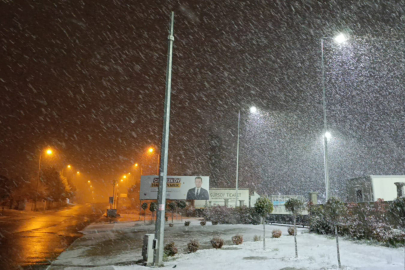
(374, 187)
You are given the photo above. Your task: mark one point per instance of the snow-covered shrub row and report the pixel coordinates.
(225, 215)
(374, 220)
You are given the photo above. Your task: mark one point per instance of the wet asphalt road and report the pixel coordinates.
(30, 240)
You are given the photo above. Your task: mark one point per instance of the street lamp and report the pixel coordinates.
(252, 110)
(136, 165)
(48, 152)
(340, 38)
(151, 150)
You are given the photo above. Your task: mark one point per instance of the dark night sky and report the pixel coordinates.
(88, 78)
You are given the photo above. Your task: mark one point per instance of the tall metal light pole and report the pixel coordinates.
(325, 126)
(341, 38)
(237, 162)
(160, 221)
(48, 152)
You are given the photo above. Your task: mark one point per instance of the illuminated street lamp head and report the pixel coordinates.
(253, 109)
(150, 150)
(328, 135)
(88, 181)
(125, 176)
(341, 38)
(122, 180)
(78, 172)
(136, 165)
(69, 166)
(49, 151)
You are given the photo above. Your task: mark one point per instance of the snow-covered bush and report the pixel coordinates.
(193, 245)
(203, 223)
(276, 233)
(190, 211)
(368, 220)
(237, 239)
(225, 215)
(397, 212)
(217, 242)
(170, 249)
(291, 230)
(220, 214)
(246, 215)
(318, 222)
(257, 238)
(187, 223)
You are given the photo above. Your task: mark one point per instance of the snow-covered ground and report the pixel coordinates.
(315, 251)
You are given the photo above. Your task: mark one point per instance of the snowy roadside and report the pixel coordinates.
(105, 245)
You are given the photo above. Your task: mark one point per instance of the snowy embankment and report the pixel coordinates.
(315, 251)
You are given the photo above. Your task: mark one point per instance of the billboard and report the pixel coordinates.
(177, 188)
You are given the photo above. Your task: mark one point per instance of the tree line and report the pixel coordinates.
(51, 186)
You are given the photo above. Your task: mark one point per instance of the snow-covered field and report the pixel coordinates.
(315, 251)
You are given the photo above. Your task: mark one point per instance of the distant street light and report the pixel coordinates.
(125, 176)
(340, 38)
(48, 152)
(136, 165)
(69, 167)
(78, 172)
(88, 181)
(151, 150)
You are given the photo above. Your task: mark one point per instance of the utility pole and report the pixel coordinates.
(38, 179)
(237, 162)
(160, 221)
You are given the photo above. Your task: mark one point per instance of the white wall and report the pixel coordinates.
(217, 197)
(384, 187)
